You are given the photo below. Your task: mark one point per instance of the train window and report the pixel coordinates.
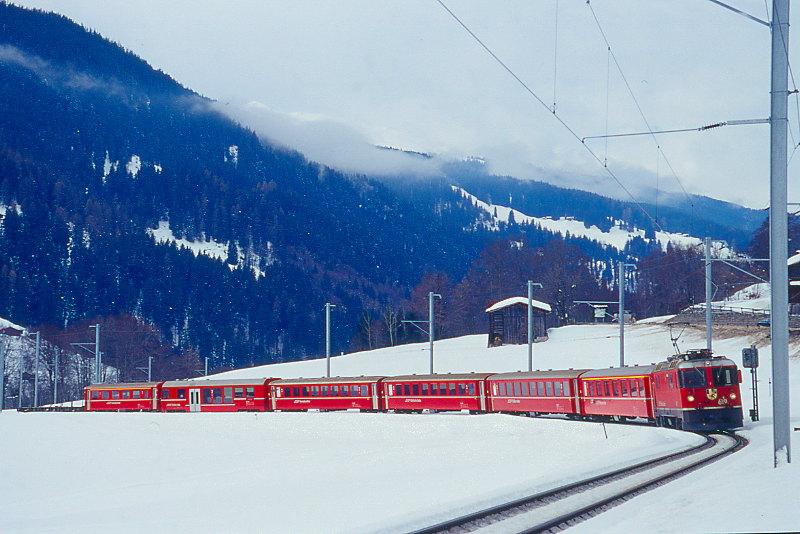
(314, 391)
(592, 389)
(641, 387)
(324, 391)
(146, 394)
(126, 394)
(517, 389)
(406, 389)
(218, 396)
(415, 389)
(251, 392)
(462, 389)
(524, 392)
(471, 389)
(208, 397)
(115, 394)
(364, 391)
(95, 394)
(105, 395)
(434, 389)
(670, 384)
(334, 391)
(295, 392)
(692, 378)
(137, 394)
(354, 391)
(615, 383)
(724, 376)
(540, 388)
(304, 391)
(624, 387)
(566, 388)
(238, 393)
(634, 388)
(452, 387)
(502, 388)
(548, 389)
(442, 388)
(424, 389)
(228, 395)
(181, 393)
(164, 393)
(559, 388)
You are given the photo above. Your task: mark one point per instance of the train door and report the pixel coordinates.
(482, 393)
(194, 400)
(375, 397)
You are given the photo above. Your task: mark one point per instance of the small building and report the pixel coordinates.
(508, 321)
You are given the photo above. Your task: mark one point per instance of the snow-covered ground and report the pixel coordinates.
(616, 236)
(351, 472)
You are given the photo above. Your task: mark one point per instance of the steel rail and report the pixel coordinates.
(504, 511)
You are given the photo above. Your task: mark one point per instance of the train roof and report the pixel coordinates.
(561, 373)
(716, 361)
(632, 370)
(326, 380)
(435, 377)
(125, 385)
(216, 382)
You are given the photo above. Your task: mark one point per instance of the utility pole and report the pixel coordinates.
(149, 368)
(530, 322)
(206, 370)
(98, 363)
(328, 307)
(55, 377)
(21, 367)
(778, 232)
(709, 328)
(36, 370)
(431, 296)
(621, 266)
(3, 345)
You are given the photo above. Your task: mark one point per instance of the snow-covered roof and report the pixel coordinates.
(517, 300)
(794, 259)
(5, 323)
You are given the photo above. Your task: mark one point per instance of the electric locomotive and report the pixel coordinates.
(697, 391)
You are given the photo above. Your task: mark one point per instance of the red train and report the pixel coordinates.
(692, 391)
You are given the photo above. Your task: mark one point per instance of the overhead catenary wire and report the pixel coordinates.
(555, 59)
(532, 93)
(704, 128)
(639, 107)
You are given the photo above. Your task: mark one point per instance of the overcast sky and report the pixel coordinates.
(331, 78)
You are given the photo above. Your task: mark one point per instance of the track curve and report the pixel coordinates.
(567, 505)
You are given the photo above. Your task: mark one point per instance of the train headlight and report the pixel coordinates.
(733, 395)
(690, 398)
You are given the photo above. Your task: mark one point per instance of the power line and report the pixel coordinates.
(553, 112)
(638, 107)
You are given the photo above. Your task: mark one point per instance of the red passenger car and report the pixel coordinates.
(697, 391)
(133, 397)
(617, 393)
(443, 392)
(536, 392)
(324, 394)
(224, 395)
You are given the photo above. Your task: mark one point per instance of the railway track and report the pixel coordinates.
(568, 505)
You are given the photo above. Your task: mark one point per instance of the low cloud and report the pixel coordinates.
(327, 141)
(57, 76)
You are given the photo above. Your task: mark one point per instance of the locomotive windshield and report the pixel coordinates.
(693, 378)
(724, 376)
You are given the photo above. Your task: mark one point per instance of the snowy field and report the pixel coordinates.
(284, 472)
(351, 472)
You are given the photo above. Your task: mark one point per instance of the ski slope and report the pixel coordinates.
(353, 472)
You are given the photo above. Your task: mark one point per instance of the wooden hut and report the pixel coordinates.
(508, 321)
